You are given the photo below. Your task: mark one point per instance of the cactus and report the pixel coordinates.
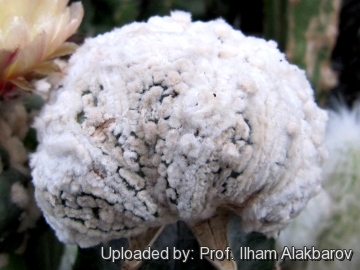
(25, 237)
(306, 30)
(18, 210)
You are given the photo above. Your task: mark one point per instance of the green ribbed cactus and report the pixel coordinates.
(306, 30)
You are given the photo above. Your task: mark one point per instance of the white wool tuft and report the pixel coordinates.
(170, 120)
(181, 16)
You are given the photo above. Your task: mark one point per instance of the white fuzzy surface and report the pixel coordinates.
(169, 120)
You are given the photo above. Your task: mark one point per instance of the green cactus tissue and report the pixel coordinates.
(171, 120)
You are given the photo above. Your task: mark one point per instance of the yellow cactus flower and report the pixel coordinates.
(32, 33)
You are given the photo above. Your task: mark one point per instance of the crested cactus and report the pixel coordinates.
(173, 120)
(178, 137)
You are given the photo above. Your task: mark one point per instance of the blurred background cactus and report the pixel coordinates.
(32, 35)
(306, 30)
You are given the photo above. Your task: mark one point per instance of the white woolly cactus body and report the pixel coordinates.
(170, 120)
